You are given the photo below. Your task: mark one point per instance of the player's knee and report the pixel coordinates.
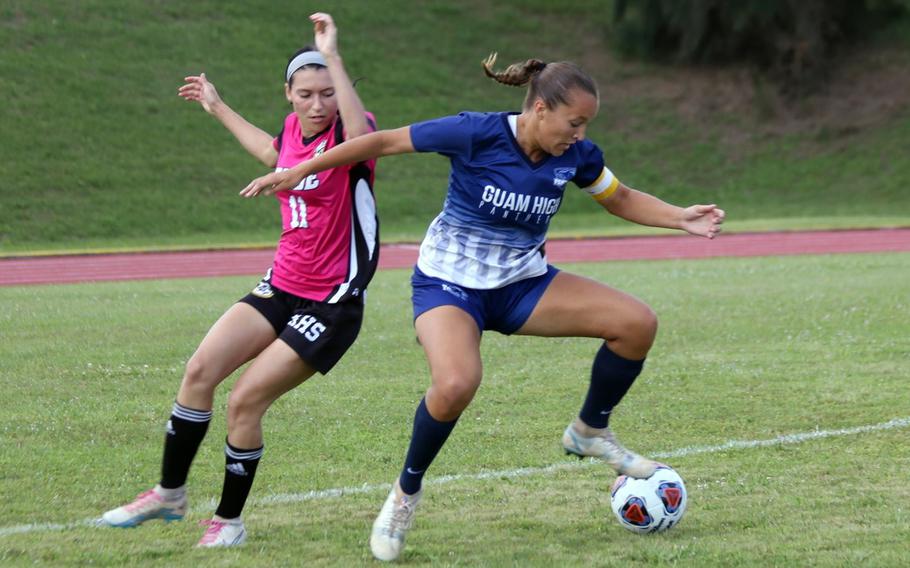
(646, 326)
(635, 334)
(243, 408)
(198, 374)
(453, 392)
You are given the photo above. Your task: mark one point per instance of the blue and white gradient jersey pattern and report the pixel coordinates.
(499, 203)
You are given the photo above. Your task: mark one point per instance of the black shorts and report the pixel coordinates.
(318, 331)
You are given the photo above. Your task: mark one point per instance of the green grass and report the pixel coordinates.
(100, 153)
(89, 374)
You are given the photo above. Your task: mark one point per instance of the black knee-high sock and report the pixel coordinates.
(239, 470)
(185, 430)
(611, 377)
(427, 439)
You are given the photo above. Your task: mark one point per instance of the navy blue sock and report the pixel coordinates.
(427, 439)
(611, 377)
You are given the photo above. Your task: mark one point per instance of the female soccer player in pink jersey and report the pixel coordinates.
(307, 310)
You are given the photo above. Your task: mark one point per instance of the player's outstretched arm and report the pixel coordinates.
(253, 139)
(350, 107)
(645, 209)
(360, 149)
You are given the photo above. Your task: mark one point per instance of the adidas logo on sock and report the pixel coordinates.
(170, 428)
(236, 468)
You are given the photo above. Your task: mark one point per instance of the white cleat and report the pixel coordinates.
(146, 506)
(603, 445)
(222, 533)
(392, 524)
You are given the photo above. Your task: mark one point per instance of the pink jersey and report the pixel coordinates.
(329, 243)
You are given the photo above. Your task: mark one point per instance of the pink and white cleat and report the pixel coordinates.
(222, 533)
(146, 506)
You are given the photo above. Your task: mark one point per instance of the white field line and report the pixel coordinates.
(796, 438)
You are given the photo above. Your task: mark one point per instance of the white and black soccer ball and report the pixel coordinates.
(649, 505)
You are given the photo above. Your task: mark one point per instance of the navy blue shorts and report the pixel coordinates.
(503, 309)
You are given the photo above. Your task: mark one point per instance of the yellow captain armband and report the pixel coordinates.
(604, 186)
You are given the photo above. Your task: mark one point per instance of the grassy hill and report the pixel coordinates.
(99, 152)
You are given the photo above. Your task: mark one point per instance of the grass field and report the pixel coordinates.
(750, 350)
(777, 387)
(100, 153)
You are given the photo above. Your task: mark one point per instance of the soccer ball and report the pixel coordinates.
(649, 505)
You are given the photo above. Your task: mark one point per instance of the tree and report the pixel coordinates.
(792, 39)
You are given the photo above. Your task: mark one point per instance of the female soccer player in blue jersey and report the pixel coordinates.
(482, 264)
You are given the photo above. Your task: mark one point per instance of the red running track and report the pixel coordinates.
(64, 269)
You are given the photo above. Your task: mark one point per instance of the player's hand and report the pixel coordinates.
(703, 220)
(325, 33)
(198, 88)
(270, 183)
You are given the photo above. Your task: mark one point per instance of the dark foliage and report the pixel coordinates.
(793, 40)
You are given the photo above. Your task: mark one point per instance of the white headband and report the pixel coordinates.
(305, 58)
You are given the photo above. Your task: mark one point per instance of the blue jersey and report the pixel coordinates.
(494, 222)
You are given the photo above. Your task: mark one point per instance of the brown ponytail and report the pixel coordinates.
(515, 75)
(550, 82)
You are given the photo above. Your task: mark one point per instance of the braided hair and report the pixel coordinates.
(550, 82)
